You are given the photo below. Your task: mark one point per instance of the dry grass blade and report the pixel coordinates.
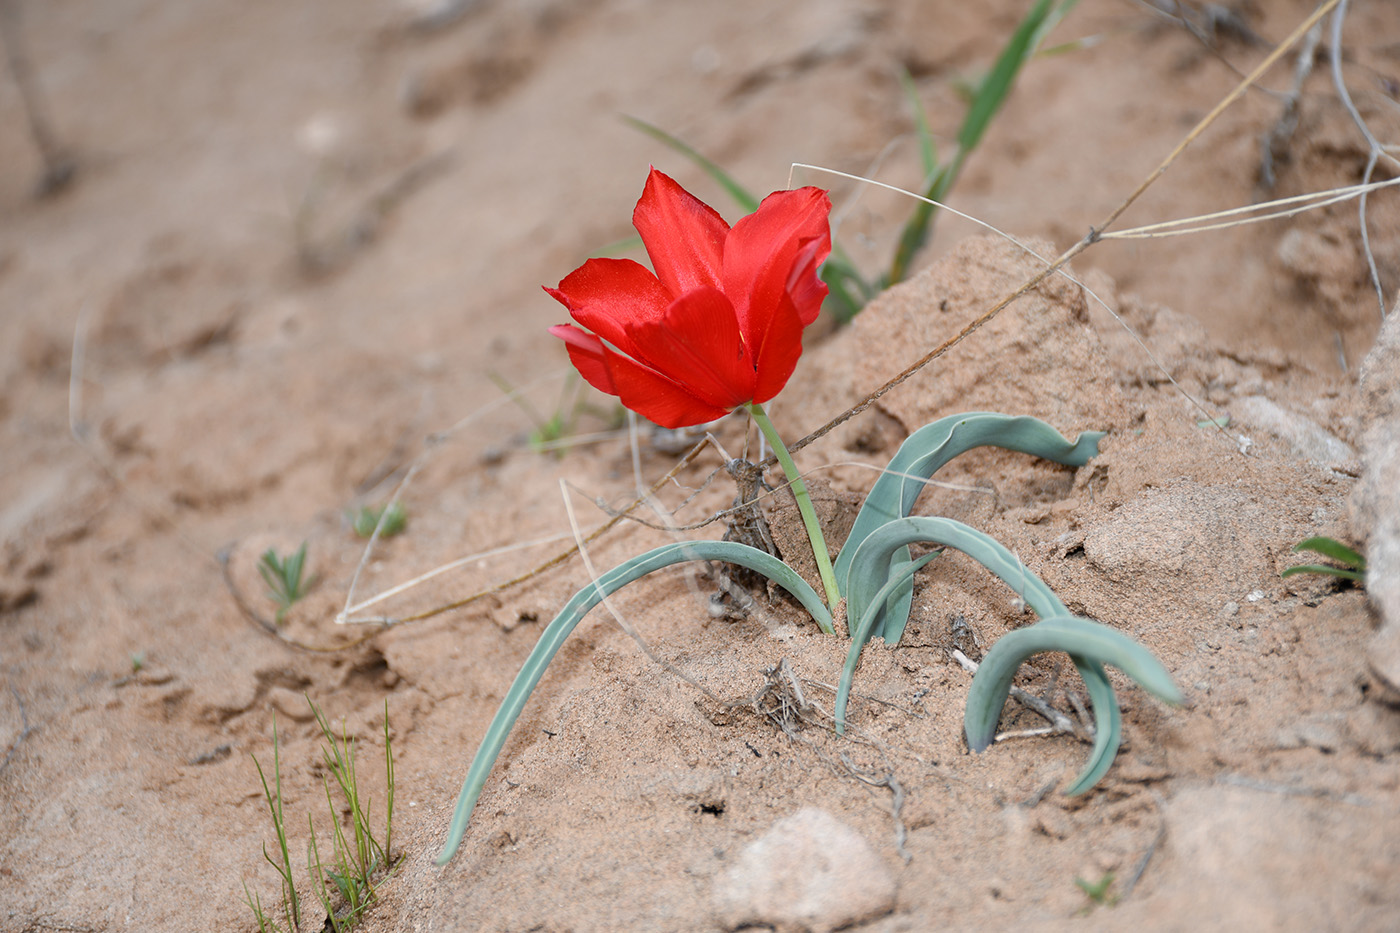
(1095, 233)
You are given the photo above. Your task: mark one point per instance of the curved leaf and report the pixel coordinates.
(923, 453)
(1330, 547)
(1091, 645)
(996, 558)
(898, 587)
(1108, 723)
(568, 618)
(872, 584)
(885, 548)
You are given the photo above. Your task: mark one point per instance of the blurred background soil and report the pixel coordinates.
(293, 252)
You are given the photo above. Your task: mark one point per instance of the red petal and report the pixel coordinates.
(657, 398)
(683, 235)
(771, 251)
(648, 393)
(777, 355)
(588, 355)
(697, 344)
(609, 295)
(805, 286)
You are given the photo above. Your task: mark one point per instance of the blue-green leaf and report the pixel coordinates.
(864, 609)
(872, 584)
(922, 454)
(569, 617)
(1091, 645)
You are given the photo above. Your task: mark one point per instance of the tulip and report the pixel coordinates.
(716, 326)
(720, 322)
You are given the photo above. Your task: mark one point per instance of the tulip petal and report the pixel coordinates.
(588, 355)
(683, 235)
(804, 284)
(657, 398)
(778, 352)
(645, 391)
(769, 249)
(608, 295)
(697, 344)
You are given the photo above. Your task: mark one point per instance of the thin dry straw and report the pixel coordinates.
(345, 619)
(431, 443)
(580, 544)
(1056, 267)
(1095, 233)
(1376, 150)
(1197, 224)
(564, 555)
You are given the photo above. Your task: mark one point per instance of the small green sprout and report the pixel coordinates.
(1354, 564)
(284, 578)
(291, 899)
(138, 661)
(367, 519)
(1098, 891)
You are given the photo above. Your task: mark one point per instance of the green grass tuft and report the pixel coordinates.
(345, 885)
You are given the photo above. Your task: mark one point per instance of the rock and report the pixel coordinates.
(1375, 729)
(1303, 436)
(809, 872)
(1248, 858)
(1376, 501)
(1187, 539)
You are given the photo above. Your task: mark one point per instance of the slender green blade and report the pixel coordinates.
(915, 231)
(928, 149)
(1330, 547)
(738, 192)
(993, 91)
(569, 617)
(987, 100)
(1356, 575)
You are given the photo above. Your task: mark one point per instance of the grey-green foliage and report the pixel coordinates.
(983, 705)
(568, 619)
(875, 571)
(924, 453)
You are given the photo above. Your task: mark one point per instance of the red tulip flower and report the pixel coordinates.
(719, 325)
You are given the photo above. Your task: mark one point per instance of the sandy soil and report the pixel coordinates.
(303, 244)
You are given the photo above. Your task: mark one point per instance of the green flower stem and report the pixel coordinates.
(804, 503)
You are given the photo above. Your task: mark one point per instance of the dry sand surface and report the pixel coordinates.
(302, 247)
